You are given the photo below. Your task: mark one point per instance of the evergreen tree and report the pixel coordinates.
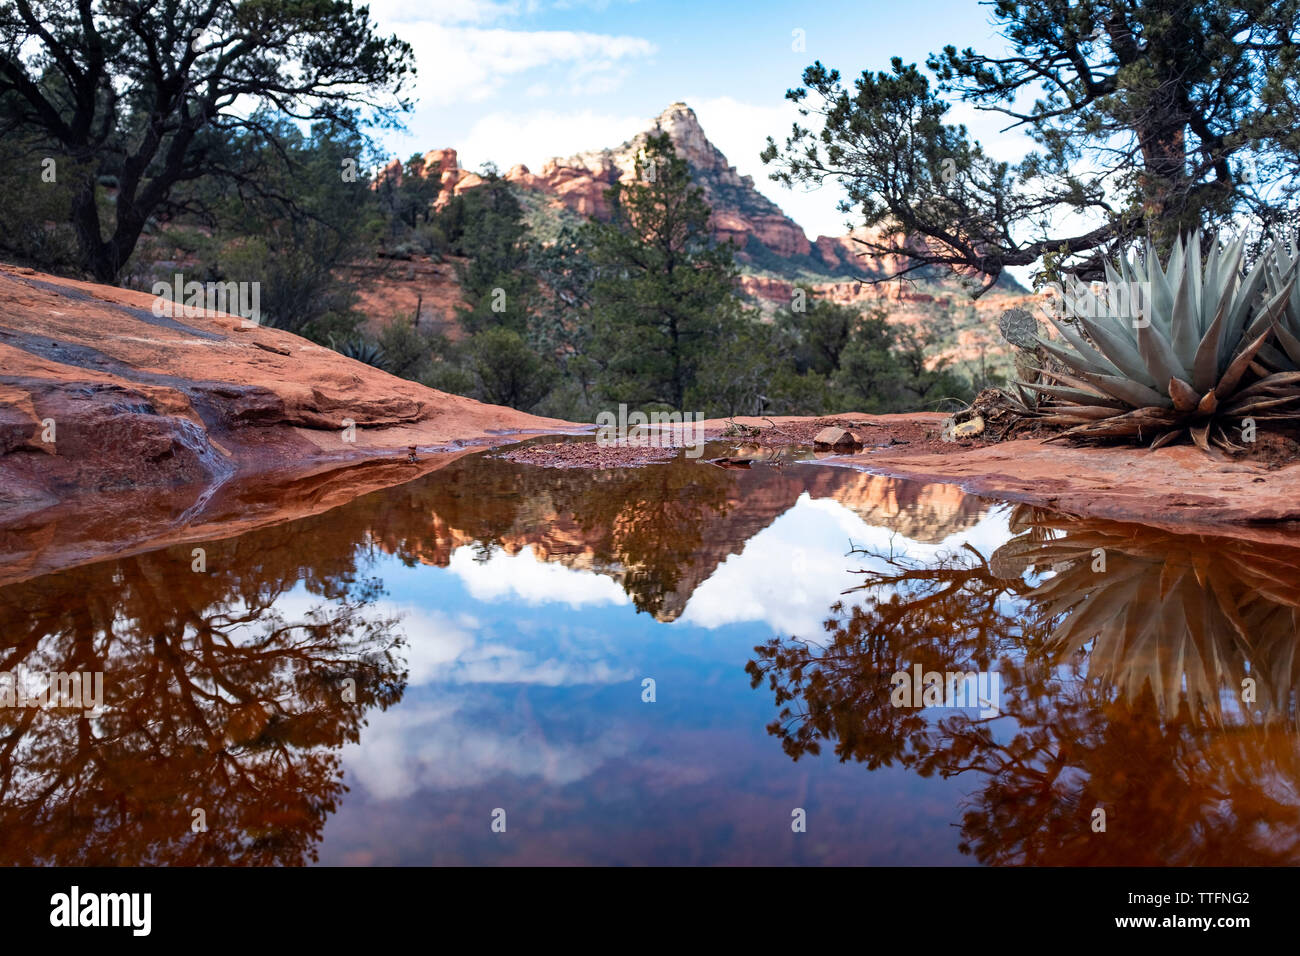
(1151, 117)
(663, 300)
(136, 95)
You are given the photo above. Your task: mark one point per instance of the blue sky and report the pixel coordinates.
(523, 81)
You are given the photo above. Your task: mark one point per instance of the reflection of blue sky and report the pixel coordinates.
(525, 693)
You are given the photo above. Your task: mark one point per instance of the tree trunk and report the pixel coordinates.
(85, 221)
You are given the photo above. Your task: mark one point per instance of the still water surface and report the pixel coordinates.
(374, 684)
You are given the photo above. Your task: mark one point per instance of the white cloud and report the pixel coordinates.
(531, 138)
(440, 745)
(435, 640)
(461, 649)
(459, 64)
(443, 11)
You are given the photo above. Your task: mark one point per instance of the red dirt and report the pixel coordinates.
(1178, 487)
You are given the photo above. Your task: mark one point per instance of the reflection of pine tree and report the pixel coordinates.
(1095, 724)
(945, 617)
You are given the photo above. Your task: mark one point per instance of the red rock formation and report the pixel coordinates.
(740, 212)
(130, 399)
(741, 215)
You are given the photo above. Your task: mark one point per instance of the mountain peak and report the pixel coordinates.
(677, 115)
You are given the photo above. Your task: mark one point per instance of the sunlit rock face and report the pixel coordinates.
(741, 214)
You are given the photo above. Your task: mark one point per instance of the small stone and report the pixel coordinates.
(956, 431)
(832, 437)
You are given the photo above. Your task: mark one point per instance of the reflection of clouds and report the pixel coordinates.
(450, 736)
(434, 640)
(442, 745)
(459, 649)
(531, 580)
(792, 571)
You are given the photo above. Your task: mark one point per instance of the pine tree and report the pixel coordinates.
(663, 301)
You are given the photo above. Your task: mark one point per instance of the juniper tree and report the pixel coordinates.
(664, 294)
(1148, 115)
(138, 94)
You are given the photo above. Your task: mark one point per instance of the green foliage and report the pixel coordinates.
(148, 95)
(644, 310)
(408, 199)
(486, 224)
(1151, 117)
(506, 371)
(889, 369)
(363, 350)
(291, 231)
(819, 334)
(736, 371)
(410, 352)
(34, 217)
(839, 359)
(663, 296)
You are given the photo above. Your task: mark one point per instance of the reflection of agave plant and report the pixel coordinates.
(1181, 366)
(1180, 613)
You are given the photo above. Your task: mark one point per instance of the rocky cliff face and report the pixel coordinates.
(741, 214)
(775, 253)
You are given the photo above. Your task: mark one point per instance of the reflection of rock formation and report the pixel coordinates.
(662, 530)
(922, 512)
(1091, 665)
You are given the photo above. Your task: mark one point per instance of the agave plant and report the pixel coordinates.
(363, 351)
(1183, 362)
(1285, 357)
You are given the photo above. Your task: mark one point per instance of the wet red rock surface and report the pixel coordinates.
(140, 400)
(166, 428)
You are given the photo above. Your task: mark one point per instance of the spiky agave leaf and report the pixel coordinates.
(1188, 616)
(1285, 357)
(362, 351)
(1169, 347)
